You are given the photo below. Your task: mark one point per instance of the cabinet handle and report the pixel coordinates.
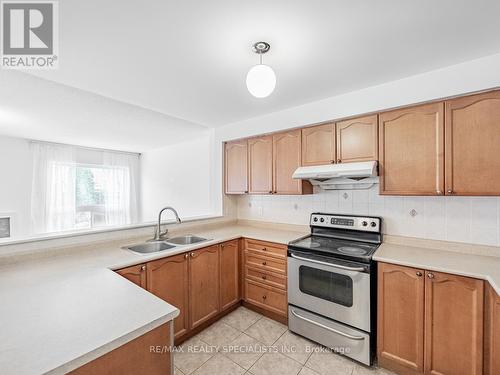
(264, 297)
(439, 192)
(264, 249)
(450, 191)
(264, 263)
(333, 162)
(270, 191)
(192, 255)
(430, 275)
(264, 277)
(186, 256)
(143, 268)
(419, 273)
(246, 191)
(339, 161)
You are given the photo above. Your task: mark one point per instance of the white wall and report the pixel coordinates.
(461, 219)
(15, 183)
(180, 176)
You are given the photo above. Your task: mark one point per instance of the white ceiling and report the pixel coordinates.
(188, 59)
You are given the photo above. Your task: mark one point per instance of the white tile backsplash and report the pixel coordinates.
(460, 219)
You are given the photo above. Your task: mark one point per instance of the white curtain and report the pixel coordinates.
(54, 200)
(53, 188)
(121, 178)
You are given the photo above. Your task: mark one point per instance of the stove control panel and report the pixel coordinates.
(361, 223)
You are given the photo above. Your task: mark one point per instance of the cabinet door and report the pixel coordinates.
(236, 167)
(136, 274)
(287, 156)
(318, 145)
(472, 144)
(260, 165)
(453, 324)
(411, 142)
(204, 284)
(357, 139)
(492, 333)
(400, 335)
(168, 280)
(229, 274)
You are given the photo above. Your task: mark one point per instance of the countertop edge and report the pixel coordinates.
(112, 345)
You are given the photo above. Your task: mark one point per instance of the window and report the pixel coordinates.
(75, 188)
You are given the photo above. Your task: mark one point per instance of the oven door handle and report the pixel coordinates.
(357, 269)
(327, 328)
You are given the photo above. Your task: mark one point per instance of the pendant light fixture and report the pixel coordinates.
(261, 79)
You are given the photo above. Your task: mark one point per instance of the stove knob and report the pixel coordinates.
(322, 220)
(364, 223)
(315, 219)
(373, 224)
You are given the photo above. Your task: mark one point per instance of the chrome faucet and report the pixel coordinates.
(159, 235)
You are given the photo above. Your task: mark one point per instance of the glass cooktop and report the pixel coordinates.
(338, 248)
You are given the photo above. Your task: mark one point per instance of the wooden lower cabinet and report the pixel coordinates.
(229, 274)
(492, 332)
(453, 324)
(135, 357)
(168, 279)
(136, 274)
(400, 339)
(266, 297)
(203, 285)
(429, 322)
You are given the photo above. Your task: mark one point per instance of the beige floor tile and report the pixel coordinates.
(244, 351)
(241, 318)
(194, 353)
(330, 363)
(177, 371)
(363, 370)
(275, 364)
(219, 365)
(266, 331)
(219, 334)
(295, 347)
(307, 371)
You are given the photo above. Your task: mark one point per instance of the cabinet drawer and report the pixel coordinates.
(267, 248)
(266, 277)
(266, 297)
(265, 263)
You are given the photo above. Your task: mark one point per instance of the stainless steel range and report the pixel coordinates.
(332, 284)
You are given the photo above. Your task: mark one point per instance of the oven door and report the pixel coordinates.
(335, 289)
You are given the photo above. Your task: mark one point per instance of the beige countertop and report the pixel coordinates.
(459, 259)
(65, 309)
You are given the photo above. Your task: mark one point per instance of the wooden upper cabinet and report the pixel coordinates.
(168, 279)
(236, 167)
(229, 274)
(473, 144)
(318, 145)
(136, 274)
(411, 151)
(260, 165)
(492, 333)
(453, 324)
(400, 335)
(203, 284)
(357, 139)
(286, 159)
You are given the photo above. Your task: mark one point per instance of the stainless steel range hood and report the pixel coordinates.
(344, 176)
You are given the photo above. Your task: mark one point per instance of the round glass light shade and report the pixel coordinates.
(261, 81)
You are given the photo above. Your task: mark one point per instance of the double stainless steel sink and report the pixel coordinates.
(169, 243)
